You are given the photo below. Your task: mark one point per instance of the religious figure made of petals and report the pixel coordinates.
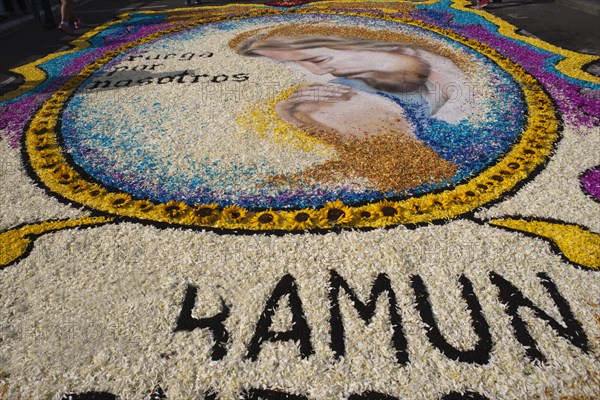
(362, 110)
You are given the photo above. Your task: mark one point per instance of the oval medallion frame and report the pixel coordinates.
(61, 177)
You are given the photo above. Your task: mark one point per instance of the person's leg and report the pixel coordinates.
(63, 10)
(77, 22)
(66, 9)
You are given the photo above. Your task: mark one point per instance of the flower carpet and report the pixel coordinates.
(326, 200)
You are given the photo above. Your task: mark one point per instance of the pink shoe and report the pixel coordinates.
(78, 24)
(482, 4)
(66, 28)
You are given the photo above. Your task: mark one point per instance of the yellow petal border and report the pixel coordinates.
(535, 146)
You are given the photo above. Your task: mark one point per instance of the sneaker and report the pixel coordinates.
(198, 1)
(66, 28)
(78, 24)
(482, 4)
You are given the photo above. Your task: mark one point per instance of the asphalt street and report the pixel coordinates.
(571, 24)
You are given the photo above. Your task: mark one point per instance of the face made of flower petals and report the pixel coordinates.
(390, 71)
